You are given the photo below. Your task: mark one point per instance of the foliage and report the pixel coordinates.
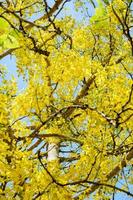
(8, 38)
(77, 104)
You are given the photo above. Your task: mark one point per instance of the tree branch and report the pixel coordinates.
(7, 52)
(50, 13)
(114, 172)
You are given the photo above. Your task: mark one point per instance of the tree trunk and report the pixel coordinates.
(52, 151)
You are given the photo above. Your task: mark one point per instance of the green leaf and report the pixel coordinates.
(8, 36)
(3, 38)
(10, 42)
(100, 13)
(4, 26)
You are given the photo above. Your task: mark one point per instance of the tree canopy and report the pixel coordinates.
(68, 134)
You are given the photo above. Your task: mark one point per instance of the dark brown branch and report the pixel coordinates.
(125, 29)
(51, 117)
(39, 194)
(129, 99)
(114, 172)
(82, 94)
(124, 109)
(21, 18)
(50, 13)
(63, 137)
(95, 184)
(7, 52)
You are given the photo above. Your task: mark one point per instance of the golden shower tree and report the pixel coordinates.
(68, 134)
